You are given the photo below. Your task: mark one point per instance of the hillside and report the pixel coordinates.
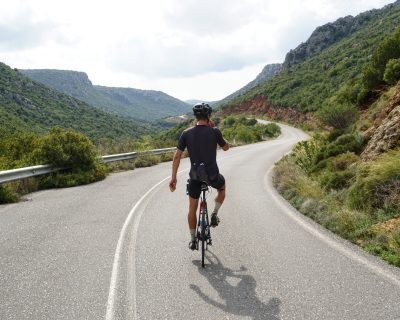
(267, 73)
(26, 105)
(148, 105)
(307, 85)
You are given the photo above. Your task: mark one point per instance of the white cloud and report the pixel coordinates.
(190, 49)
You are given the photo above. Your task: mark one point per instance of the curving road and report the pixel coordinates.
(117, 249)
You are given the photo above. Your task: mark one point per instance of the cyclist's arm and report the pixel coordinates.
(221, 141)
(175, 165)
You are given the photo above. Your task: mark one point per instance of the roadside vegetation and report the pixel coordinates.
(66, 148)
(241, 130)
(333, 180)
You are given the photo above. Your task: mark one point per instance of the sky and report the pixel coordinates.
(190, 49)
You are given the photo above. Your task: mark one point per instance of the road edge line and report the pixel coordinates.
(336, 244)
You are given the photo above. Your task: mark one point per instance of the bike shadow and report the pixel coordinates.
(240, 299)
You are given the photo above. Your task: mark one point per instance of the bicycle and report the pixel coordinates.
(203, 226)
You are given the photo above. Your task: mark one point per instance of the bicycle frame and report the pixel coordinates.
(203, 226)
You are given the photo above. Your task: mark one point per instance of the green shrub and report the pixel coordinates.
(305, 153)
(386, 245)
(66, 148)
(344, 143)
(392, 71)
(268, 130)
(337, 180)
(17, 150)
(348, 223)
(377, 183)
(395, 239)
(343, 161)
(338, 116)
(229, 121)
(147, 161)
(7, 195)
(243, 130)
(244, 134)
(334, 134)
(74, 177)
(388, 49)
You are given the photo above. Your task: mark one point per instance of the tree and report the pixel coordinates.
(392, 71)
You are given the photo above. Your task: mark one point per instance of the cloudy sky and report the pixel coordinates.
(202, 49)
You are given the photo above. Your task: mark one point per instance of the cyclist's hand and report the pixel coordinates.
(172, 184)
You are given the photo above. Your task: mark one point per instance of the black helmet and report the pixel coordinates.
(202, 109)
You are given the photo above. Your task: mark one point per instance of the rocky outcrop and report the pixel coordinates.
(385, 137)
(326, 35)
(385, 133)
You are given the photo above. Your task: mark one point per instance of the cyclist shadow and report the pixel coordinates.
(240, 299)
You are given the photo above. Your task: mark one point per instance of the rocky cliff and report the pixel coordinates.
(326, 35)
(385, 133)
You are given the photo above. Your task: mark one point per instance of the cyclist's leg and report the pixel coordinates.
(194, 190)
(220, 185)
(192, 220)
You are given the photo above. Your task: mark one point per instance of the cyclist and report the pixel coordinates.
(201, 141)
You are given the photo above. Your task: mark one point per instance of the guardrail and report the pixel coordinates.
(28, 172)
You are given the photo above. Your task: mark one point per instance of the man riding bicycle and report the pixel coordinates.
(201, 142)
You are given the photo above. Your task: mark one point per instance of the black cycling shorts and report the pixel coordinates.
(194, 186)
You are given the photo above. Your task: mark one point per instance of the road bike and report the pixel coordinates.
(203, 226)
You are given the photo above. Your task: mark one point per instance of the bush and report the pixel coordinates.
(388, 49)
(18, 149)
(338, 116)
(229, 121)
(75, 177)
(337, 180)
(392, 71)
(305, 153)
(348, 223)
(244, 134)
(344, 143)
(269, 130)
(66, 148)
(377, 184)
(343, 161)
(7, 195)
(243, 130)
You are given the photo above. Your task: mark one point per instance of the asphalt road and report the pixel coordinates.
(118, 249)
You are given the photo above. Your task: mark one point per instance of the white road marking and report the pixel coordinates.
(117, 257)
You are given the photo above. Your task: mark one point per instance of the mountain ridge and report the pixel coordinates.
(148, 105)
(27, 105)
(329, 33)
